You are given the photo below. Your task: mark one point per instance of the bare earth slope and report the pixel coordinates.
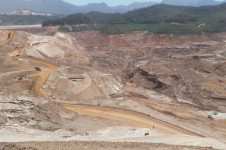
(188, 68)
(133, 87)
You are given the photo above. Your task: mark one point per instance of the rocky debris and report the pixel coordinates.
(210, 117)
(30, 112)
(94, 146)
(222, 109)
(147, 80)
(15, 147)
(2, 120)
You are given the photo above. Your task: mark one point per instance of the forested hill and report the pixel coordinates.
(169, 13)
(157, 19)
(80, 18)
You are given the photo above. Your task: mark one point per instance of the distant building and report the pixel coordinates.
(25, 12)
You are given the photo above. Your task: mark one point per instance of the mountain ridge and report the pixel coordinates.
(192, 2)
(61, 7)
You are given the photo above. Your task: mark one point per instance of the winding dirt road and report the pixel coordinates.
(132, 117)
(41, 77)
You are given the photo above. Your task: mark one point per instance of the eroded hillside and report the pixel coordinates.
(189, 69)
(93, 87)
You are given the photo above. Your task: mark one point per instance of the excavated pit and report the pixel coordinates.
(176, 79)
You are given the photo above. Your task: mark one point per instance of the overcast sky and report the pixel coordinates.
(110, 2)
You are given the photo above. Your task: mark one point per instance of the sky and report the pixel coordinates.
(110, 2)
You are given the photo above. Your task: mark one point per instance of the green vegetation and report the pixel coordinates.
(76, 19)
(157, 19)
(181, 18)
(168, 19)
(23, 20)
(78, 28)
(123, 28)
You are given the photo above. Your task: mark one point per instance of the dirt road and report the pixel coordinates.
(132, 117)
(40, 77)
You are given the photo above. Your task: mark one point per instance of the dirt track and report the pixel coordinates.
(41, 77)
(132, 117)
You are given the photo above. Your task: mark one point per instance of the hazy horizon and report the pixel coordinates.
(110, 2)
